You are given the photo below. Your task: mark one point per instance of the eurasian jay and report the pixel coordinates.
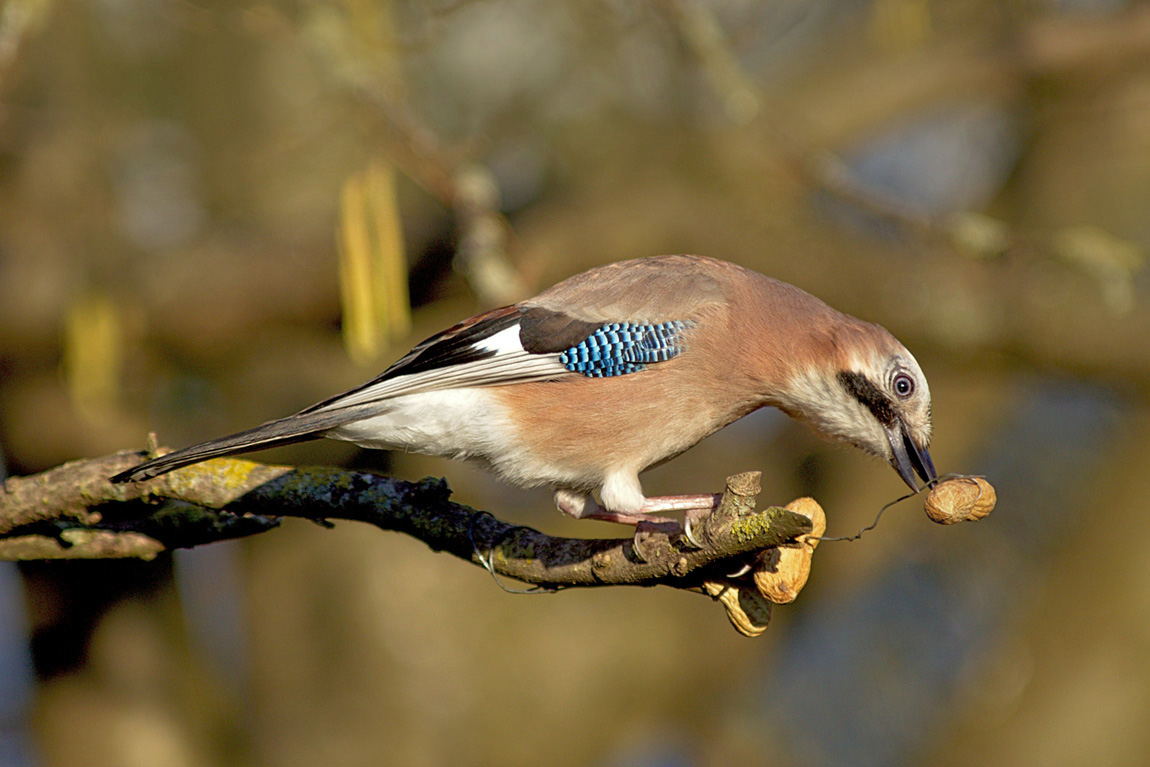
(616, 370)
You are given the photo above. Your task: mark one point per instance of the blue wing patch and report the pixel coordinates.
(624, 347)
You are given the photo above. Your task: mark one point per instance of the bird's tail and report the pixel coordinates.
(300, 427)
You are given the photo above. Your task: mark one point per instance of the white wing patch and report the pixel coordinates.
(510, 364)
(506, 341)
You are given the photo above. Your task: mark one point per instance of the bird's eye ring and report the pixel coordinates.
(903, 385)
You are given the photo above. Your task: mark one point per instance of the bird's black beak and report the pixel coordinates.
(908, 458)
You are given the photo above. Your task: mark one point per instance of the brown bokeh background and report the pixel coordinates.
(974, 175)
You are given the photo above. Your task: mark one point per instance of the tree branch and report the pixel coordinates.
(73, 511)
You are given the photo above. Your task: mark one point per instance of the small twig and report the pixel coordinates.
(877, 517)
(1045, 47)
(485, 236)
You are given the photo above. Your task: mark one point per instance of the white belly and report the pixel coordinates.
(462, 424)
(454, 422)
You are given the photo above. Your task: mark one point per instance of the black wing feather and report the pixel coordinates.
(545, 331)
(454, 346)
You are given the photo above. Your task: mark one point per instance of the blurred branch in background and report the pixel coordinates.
(704, 38)
(1040, 49)
(18, 20)
(93, 352)
(372, 265)
(356, 44)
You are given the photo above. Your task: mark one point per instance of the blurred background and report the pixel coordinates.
(216, 213)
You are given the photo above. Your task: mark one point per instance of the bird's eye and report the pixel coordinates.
(903, 385)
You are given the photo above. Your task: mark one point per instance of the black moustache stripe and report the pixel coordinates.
(861, 388)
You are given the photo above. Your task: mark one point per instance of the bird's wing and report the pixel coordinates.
(609, 321)
(483, 350)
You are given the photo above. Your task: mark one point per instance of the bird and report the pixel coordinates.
(616, 370)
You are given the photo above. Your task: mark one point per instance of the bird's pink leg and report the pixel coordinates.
(708, 502)
(633, 519)
(583, 506)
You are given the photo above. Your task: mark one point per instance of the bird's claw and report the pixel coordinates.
(646, 527)
(689, 534)
(740, 572)
(691, 518)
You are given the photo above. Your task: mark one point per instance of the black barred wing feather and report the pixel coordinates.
(484, 350)
(620, 348)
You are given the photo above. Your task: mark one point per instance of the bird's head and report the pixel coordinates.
(869, 391)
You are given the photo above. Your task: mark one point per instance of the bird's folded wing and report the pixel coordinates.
(610, 321)
(484, 350)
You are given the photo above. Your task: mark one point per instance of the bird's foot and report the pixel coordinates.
(695, 508)
(644, 524)
(647, 519)
(634, 519)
